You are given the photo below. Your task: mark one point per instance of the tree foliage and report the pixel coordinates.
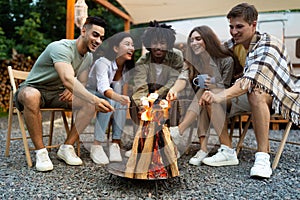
(29, 25)
(33, 41)
(5, 46)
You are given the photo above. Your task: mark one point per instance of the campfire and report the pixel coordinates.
(153, 106)
(153, 153)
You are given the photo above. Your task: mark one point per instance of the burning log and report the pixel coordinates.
(154, 155)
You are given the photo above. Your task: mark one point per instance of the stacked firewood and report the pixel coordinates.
(154, 155)
(20, 62)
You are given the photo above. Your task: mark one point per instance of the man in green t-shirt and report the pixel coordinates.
(57, 80)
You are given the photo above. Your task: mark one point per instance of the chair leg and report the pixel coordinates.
(8, 136)
(187, 151)
(108, 131)
(281, 146)
(243, 134)
(63, 114)
(24, 137)
(51, 129)
(240, 125)
(232, 124)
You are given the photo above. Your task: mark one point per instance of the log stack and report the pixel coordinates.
(154, 155)
(20, 62)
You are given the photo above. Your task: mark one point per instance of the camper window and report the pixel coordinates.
(298, 48)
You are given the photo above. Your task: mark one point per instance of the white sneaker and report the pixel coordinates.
(43, 162)
(261, 167)
(128, 153)
(114, 153)
(67, 153)
(225, 156)
(197, 159)
(176, 137)
(98, 155)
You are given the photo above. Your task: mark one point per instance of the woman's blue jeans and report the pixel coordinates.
(102, 120)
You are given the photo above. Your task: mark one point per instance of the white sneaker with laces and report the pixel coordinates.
(225, 156)
(67, 153)
(114, 153)
(98, 155)
(176, 137)
(43, 162)
(261, 167)
(197, 159)
(128, 153)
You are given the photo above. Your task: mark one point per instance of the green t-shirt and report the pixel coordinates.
(43, 74)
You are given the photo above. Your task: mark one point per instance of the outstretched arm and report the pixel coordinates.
(209, 97)
(177, 87)
(67, 76)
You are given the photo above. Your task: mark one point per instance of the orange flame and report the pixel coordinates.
(147, 102)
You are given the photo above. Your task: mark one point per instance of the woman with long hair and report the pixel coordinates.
(106, 80)
(204, 55)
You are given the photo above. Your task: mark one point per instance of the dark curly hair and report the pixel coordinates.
(157, 31)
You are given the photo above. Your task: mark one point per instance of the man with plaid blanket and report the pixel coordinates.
(267, 81)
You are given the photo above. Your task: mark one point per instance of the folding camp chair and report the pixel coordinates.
(17, 76)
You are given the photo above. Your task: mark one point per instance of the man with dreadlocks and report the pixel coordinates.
(158, 69)
(153, 154)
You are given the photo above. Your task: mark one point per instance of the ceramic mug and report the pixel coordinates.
(199, 80)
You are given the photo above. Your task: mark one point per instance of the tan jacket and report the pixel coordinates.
(146, 80)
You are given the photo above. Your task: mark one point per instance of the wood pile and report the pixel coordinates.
(20, 62)
(154, 155)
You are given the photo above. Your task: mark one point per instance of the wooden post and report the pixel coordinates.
(126, 25)
(70, 19)
(116, 11)
(105, 3)
(70, 29)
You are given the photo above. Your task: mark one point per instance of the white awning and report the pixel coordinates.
(143, 11)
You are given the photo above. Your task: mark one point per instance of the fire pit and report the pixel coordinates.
(154, 155)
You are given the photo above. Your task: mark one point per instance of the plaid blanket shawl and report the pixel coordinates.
(268, 68)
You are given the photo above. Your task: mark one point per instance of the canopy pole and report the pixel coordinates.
(70, 16)
(70, 19)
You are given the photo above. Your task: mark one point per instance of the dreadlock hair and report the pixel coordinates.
(157, 31)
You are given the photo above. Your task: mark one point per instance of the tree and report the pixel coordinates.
(12, 14)
(53, 18)
(33, 41)
(6, 46)
(32, 24)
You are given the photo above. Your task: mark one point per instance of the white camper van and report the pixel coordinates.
(283, 25)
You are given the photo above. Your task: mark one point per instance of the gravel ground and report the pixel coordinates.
(91, 181)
